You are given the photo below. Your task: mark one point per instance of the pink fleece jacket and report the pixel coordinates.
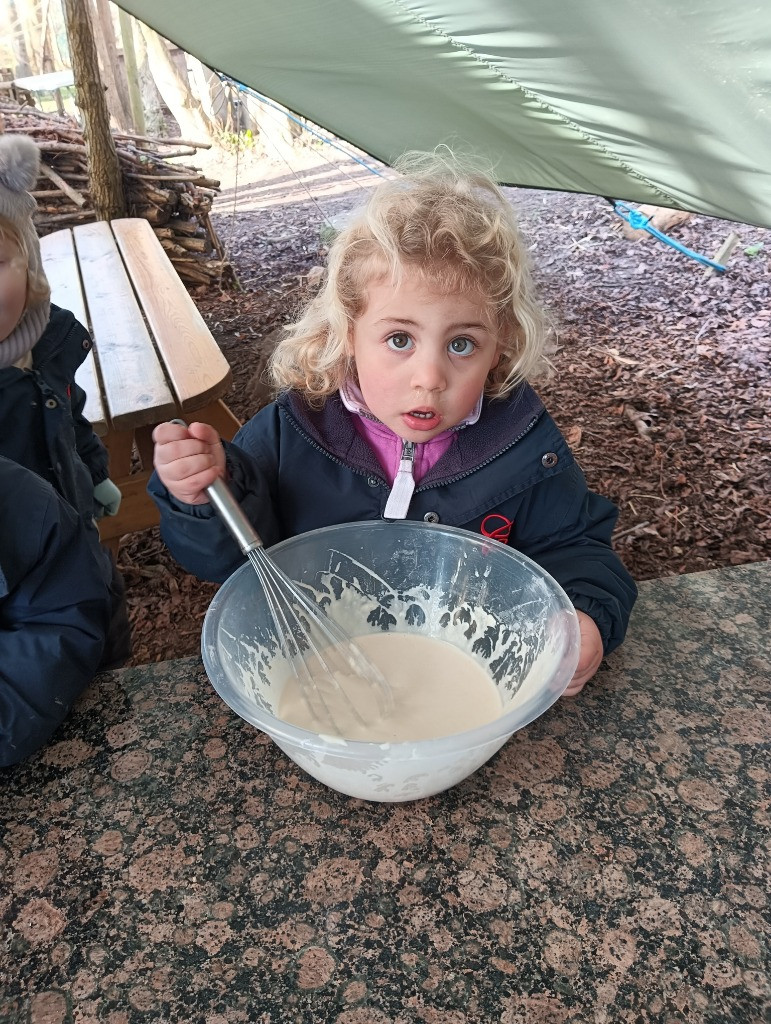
(388, 446)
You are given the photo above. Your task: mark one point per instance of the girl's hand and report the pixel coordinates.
(188, 459)
(590, 657)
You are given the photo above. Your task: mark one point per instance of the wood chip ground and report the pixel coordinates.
(661, 374)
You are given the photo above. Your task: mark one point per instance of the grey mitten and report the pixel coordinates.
(106, 499)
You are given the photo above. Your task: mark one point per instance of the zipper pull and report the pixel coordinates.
(404, 484)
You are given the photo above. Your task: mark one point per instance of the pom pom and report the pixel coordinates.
(19, 162)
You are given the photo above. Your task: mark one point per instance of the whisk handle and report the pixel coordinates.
(232, 515)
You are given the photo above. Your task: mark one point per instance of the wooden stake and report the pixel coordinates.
(725, 250)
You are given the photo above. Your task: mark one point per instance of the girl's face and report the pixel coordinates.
(422, 357)
(13, 286)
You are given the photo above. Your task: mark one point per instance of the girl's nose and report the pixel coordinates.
(428, 373)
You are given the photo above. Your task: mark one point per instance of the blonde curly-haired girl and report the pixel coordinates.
(404, 392)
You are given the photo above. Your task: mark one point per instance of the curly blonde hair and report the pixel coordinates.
(446, 220)
(38, 289)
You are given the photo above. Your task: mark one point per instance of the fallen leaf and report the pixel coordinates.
(574, 435)
(643, 421)
(622, 360)
(314, 276)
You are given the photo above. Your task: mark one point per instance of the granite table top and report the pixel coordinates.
(163, 861)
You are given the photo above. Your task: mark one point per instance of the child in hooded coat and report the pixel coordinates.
(55, 611)
(42, 426)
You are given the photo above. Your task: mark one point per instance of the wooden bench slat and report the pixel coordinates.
(128, 284)
(135, 387)
(61, 267)
(197, 369)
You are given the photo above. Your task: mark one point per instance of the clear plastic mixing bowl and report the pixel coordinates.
(481, 596)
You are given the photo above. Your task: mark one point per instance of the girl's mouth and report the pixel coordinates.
(421, 419)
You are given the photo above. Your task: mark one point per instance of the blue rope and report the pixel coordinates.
(269, 103)
(640, 221)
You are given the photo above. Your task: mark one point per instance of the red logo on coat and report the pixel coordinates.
(497, 527)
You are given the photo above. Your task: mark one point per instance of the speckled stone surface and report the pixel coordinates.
(163, 861)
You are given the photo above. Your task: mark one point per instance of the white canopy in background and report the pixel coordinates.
(667, 102)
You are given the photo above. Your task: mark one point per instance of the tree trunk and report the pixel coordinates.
(21, 55)
(277, 131)
(46, 56)
(104, 170)
(151, 98)
(174, 89)
(111, 68)
(132, 71)
(31, 29)
(56, 38)
(209, 91)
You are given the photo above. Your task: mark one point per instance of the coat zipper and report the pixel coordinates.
(436, 483)
(403, 487)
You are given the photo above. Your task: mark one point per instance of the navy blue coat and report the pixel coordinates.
(54, 611)
(42, 425)
(294, 469)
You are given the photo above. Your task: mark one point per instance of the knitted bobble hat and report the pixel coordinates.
(19, 166)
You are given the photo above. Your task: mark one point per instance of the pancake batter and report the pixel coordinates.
(437, 690)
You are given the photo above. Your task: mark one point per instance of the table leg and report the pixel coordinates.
(219, 416)
(137, 509)
(143, 438)
(119, 445)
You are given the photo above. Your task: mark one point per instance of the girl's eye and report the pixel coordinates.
(461, 346)
(399, 342)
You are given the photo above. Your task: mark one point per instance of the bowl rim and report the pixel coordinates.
(483, 735)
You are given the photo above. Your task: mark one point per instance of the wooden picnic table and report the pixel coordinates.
(153, 358)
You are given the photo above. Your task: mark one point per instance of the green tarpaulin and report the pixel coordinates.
(667, 102)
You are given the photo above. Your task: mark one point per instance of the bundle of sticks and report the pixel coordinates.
(174, 198)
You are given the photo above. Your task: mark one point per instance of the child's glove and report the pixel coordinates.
(106, 499)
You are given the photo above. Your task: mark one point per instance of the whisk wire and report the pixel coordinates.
(297, 637)
(285, 631)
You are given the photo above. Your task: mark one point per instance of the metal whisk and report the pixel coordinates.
(302, 628)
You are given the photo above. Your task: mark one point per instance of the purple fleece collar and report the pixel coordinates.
(501, 423)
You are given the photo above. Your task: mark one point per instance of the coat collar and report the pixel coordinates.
(501, 424)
